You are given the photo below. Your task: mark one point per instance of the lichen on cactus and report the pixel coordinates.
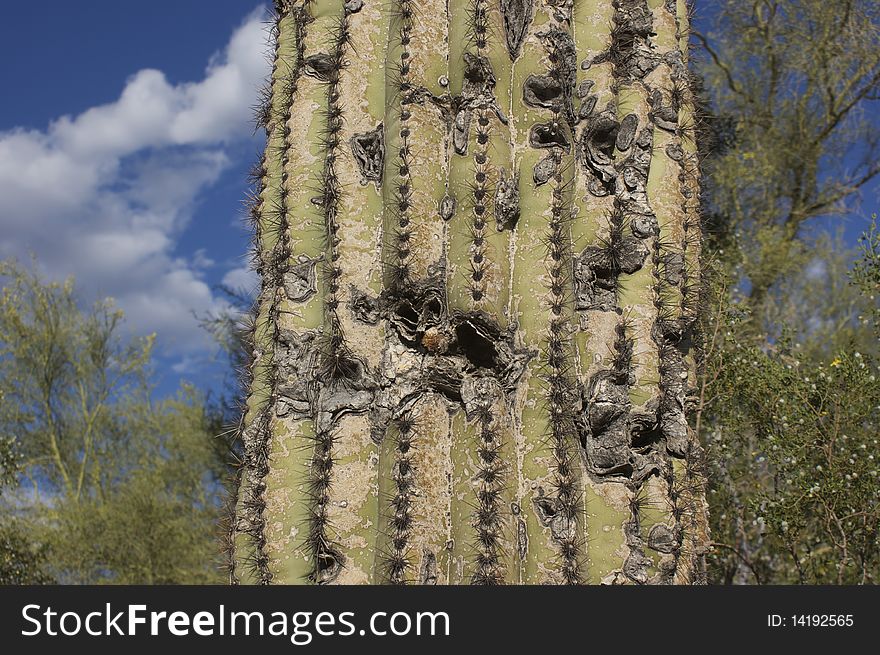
(477, 230)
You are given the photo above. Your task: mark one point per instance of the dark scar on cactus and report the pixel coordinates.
(447, 207)
(544, 169)
(617, 439)
(517, 16)
(507, 200)
(563, 57)
(522, 539)
(368, 150)
(478, 92)
(584, 88)
(300, 281)
(550, 514)
(588, 102)
(542, 91)
(588, 105)
(598, 141)
(549, 135)
(627, 132)
(428, 568)
(662, 539)
(631, 52)
(664, 116)
(675, 152)
(319, 66)
(364, 308)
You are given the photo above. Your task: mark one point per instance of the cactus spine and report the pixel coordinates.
(477, 230)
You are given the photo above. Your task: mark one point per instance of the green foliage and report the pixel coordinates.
(866, 275)
(794, 456)
(791, 428)
(789, 403)
(21, 561)
(110, 485)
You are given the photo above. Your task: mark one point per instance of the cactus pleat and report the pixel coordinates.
(478, 236)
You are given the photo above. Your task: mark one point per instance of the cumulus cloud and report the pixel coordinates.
(105, 195)
(241, 279)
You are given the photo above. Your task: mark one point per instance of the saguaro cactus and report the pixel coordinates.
(477, 231)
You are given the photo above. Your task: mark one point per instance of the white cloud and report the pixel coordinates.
(105, 195)
(241, 279)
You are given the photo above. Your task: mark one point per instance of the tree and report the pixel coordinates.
(480, 274)
(787, 394)
(804, 144)
(108, 484)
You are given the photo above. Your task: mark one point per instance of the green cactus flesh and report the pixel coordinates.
(477, 232)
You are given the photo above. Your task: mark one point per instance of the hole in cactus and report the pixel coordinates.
(476, 341)
(601, 136)
(433, 311)
(327, 566)
(542, 91)
(363, 307)
(478, 73)
(319, 66)
(545, 507)
(548, 135)
(368, 150)
(408, 313)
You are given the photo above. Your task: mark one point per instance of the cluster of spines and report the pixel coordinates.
(612, 244)
(326, 559)
(477, 33)
(635, 540)
(335, 359)
(478, 25)
(667, 298)
(676, 507)
(560, 378)
(488, 520)
(692, 514)
(251, 520)
(227, 524)
(396, 560)
(271, 265)
(399, 268)
(692, 235)
(481, 194)
(685, 492)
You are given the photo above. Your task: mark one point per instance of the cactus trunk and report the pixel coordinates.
(478, 238)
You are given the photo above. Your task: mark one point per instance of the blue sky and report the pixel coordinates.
(125, 140)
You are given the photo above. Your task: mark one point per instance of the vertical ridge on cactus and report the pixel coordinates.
(477, 229)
